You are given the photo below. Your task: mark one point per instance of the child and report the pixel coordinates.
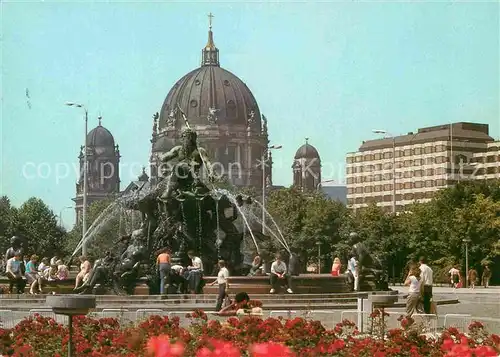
(336, 267)
(62, 270)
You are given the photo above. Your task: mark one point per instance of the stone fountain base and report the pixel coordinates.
(303, 284)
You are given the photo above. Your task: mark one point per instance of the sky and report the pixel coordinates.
(331, 72)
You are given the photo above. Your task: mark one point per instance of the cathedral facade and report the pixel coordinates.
(224, 113)
(218, 106)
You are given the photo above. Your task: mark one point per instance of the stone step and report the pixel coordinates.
(213, 296)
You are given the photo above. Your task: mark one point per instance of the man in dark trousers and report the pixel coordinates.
(426, 279)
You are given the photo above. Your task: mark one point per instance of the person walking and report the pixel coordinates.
(426, 284)
(472, 277)
(486, 276)
(222, 281)
(164, 265)
(454, 276)
(413, 281)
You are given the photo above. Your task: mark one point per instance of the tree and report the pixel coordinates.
(306, 220)
(7, 221)
(38, 225)
(480, 223)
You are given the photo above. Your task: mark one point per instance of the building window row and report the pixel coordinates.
(388, 198)
(399, 164)
(399, 153)
(485, 159)
(399, 186)
(399, 175)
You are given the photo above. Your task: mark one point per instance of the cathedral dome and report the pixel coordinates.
(307, 151)
(100, 136)
(211, 89)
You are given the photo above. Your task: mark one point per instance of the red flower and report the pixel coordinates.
(219, 349)
(270, 349)
(160, 346)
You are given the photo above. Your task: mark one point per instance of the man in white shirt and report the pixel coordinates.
(426, 281)
(278, 274)
(353, 268)
(222, 281)
(194, 273)
(14, 273)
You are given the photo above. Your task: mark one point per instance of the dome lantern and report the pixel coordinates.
(210, 53)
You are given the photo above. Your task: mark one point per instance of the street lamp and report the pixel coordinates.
(318, 186)
(319, 256)
(60, 215)
(387, 134)
(466, 241)
(84, 208)
(263, 163)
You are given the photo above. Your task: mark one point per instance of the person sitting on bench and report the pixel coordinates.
(14, 273)
(279, 275)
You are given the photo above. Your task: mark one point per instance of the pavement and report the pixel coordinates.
(479, 302)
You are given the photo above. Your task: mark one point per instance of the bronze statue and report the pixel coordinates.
(368, 265)
(185, 175)
(16, 247)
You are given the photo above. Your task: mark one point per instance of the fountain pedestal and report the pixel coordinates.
(71, 305)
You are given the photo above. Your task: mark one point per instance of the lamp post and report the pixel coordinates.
(263, 163)
(387, 134)
(466, 241)
(318, 186)
(60, 215)
(84, 208)
(319, 256)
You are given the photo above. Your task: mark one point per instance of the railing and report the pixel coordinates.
(427, 324)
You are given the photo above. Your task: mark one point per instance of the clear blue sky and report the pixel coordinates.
(330, 72)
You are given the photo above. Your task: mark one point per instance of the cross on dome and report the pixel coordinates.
(210, 17)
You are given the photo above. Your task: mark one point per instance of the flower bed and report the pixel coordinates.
(245, 336)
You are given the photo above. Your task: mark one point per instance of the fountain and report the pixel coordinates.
(180, 213)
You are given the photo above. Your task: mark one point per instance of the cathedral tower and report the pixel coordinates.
(306, 168)
(103, 172)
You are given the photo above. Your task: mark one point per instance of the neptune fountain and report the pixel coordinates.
(180, 213)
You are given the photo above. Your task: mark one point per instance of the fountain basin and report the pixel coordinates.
(71, 305)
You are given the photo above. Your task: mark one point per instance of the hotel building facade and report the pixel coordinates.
(396, 171)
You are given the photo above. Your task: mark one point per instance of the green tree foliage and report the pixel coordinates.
(435, 229)
(307, 220)
(36, 222)
(7, 222)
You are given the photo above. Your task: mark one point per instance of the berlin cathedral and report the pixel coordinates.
(230, 127)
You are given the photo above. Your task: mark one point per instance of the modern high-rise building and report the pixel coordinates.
(396, 171)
